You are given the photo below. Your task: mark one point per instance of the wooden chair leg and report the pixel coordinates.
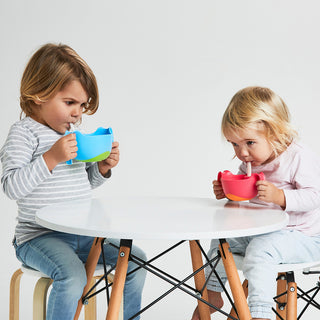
(90, 309)
(15, 295)
(281, 305)
(40, 298)
(245, 289)
(292, 301)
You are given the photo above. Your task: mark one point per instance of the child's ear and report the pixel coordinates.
(37, 101)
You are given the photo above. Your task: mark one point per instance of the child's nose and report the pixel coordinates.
(77, 111)
(244, 152)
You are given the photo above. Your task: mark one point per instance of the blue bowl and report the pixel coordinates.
(94, 146)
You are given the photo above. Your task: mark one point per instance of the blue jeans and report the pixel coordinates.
(61, 256)
(261, 255)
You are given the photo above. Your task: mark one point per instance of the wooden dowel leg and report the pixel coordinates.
(15, 295)
(40, 298)
(292, 301)
(90, 266)
(281, 288)
(239, 297)
(199, 279)
(118, 282)
(245, 290)
(90, 310)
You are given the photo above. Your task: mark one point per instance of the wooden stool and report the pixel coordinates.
(40, 294)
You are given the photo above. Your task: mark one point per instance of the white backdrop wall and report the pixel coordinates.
(166, 71)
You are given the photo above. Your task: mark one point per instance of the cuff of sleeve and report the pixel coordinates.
(97, 175)
(108, 174)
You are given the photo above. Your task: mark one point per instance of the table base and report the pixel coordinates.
(240, 309)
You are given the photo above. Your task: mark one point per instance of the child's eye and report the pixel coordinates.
(234, 144)
(69, 103)
(250, 143)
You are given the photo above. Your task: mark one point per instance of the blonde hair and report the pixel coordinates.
(257, 105)
(50, 69)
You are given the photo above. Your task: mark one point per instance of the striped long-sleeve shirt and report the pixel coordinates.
(26, 178)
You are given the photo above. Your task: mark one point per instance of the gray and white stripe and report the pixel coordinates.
(26, 178)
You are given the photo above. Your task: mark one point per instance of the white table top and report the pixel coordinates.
(161, 218)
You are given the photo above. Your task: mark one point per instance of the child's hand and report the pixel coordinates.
(217, 189)
(268, 192)
(63, 150)
(111, 161)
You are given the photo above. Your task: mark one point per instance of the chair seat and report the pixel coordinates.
(283, 267)
(297, 266)
(33, 272)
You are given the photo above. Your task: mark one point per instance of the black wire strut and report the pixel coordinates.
(176, 283)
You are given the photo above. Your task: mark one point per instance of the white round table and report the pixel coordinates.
(163, 218)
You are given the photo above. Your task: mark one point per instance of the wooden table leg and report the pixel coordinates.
(199, 279)
(119, 280)
(90, 266)
(245, 290)
(239, 297)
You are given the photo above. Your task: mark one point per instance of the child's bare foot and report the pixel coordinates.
(215, 299)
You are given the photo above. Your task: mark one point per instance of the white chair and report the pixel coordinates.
(40, 294)
(287, 290)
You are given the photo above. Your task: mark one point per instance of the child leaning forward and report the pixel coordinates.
(57, 88)
(257, 124)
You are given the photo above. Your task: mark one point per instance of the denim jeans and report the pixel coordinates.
(261, 255)
(61, 256)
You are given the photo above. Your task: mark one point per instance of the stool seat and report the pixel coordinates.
(283, 267)
(40, 293)
(33, 272)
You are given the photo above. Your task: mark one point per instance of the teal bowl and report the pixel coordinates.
(94, 146)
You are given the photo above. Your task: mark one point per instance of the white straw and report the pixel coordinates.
(75, 126)
(71, 127)
(248, 169)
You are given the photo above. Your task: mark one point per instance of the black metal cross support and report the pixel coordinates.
(176, 283)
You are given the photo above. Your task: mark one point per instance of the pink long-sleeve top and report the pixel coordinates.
(297, 172)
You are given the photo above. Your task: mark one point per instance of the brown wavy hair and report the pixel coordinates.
(49, 70)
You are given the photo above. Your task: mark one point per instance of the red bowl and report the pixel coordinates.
(239, 187)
